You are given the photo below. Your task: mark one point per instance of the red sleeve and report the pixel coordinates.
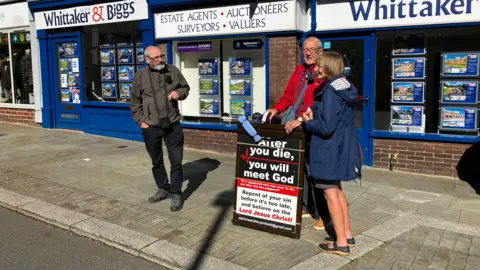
(287, 99)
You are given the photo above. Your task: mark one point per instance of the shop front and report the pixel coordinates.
(237, 59)
(19, 65)
(416, 65)
(91, 50)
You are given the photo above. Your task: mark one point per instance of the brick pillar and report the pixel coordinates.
(20, 116)
(284, 57)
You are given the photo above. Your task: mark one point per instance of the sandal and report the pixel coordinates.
(350, 242)
(342, 251)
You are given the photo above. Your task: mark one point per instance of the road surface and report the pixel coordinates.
(26, 243)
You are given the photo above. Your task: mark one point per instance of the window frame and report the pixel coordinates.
(9, 31)
(385, 134)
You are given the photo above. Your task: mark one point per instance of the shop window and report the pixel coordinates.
(16, 76)
(428, 81)
(113, 53)
(226, 78)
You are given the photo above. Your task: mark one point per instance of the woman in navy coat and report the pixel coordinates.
(334, 151)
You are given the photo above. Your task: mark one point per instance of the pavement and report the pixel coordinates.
(98, 187)
(30, 244)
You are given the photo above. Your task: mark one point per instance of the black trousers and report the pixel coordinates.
(174, 141)
(314, 201)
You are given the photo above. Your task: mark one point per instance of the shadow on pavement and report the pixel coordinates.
(468, 167)
(224, 201)
(200, 169)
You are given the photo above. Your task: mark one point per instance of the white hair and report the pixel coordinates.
(313, 39)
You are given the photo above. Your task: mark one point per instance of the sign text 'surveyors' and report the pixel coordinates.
(264, 17)
(388, 13)
(121, 11)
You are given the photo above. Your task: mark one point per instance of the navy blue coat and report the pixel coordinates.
(334, 149)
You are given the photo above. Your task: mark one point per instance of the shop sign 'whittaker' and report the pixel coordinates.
(388, 13)
(121, 11)
(261, 17)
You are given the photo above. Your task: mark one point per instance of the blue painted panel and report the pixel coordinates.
(267, 72)
(196, 125)
(117, 120)
(425, 137)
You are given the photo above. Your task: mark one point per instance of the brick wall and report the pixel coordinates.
(433, 158)
(219, 141)
(21, 116)
(284, 57)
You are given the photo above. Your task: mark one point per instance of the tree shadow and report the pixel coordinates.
(468, 167)
(197, 172)
(223, 201)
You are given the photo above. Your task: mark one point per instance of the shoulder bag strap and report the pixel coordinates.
(300, 98)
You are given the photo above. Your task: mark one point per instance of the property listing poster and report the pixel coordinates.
(70, 95)
(75, 95)
(241, 107)
(107, 57)
(125, 90)
(209, 87)
(267, 183)
(125, 56)
(408, 68)
(109, 90)
(240, 66)
(460, 92)
(140, 56)
(125, 73)
(240, 87)
(65, 65)
(109, 73)
(68, 50)
(413, 44)
(73, 80)
(65, 95)
(209, 106)
(408, 92)
(208, 67)
(460, 64)
(407, 116)
(458, 118)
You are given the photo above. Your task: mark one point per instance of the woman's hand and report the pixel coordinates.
(308, 115)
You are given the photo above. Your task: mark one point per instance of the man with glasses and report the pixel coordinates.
(312, 47)
(154, 104)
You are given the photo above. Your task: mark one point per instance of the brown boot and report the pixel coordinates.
(305, 214)
(319, 225)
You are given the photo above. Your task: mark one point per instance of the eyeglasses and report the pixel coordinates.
(156, 58)
(312, 50)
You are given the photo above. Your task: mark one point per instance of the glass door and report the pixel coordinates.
(68, 82)
(356, 56)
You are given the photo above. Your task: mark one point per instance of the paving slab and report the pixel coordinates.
(52, 214)
(110, 180)
(114, 235)
(13, 200)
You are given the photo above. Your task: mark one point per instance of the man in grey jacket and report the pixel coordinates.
(154, 104)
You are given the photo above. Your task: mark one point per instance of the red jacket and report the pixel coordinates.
(294, 88)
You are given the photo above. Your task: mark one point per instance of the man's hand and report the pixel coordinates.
(272, 113)
(144, 125)
(173, 95)
(291, 125)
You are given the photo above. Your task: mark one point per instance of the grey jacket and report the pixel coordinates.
(146, 84)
